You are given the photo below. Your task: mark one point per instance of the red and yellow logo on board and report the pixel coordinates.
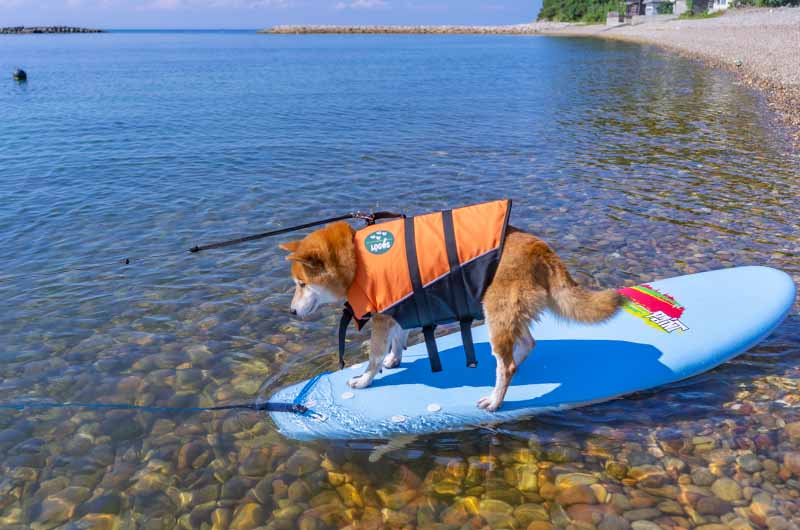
(657, 309)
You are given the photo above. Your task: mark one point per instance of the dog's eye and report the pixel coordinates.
(302, 285)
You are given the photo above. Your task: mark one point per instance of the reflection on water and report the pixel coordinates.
(633, 164)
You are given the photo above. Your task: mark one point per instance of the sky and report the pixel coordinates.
(252, 14)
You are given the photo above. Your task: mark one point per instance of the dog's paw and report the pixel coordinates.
(489, 403)
(362, 381)
(392, 360)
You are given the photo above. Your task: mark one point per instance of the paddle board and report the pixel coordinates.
(668, 330)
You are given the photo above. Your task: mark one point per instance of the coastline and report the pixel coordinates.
(516, 29)
(758, 44)
(31, 30)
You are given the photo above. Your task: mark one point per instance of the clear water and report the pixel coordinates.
(632, 163)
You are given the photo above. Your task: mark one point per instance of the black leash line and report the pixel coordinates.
(268, 406)
(368, 218)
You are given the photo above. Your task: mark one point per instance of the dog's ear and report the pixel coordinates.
(308, 259)
(290, 246)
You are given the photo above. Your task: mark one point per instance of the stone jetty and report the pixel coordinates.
(516, 29)
(23, 30)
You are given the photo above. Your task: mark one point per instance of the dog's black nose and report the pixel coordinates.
(293, 312)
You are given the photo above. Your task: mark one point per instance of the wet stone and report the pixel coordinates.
(589, 513)
(193, 455)
(256, 464)
(613, 522)
(617, 470)
(350, 495)
(108, 503)
(792, 462)
(641, 513)
(220, 519)
(580, 494)
(568, 480)
(235, 489)
(96, 521)
(703, 477)
(299, 491)
(645, 525)
(727, 489)
(561, 454)
(525, 513)
(247, 517)
(497, 513)
(301, 462)
(712, 506)
(749, 463)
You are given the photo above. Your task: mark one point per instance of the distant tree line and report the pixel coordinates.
(579, 10)
(596, 10)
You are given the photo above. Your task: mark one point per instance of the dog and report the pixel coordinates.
(530, 278)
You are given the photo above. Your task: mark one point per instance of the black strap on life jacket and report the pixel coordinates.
(421, 303)
(348, 315)
(463, 312)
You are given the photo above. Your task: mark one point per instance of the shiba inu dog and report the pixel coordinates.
(529, 278)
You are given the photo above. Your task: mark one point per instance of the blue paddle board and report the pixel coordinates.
(668, 330)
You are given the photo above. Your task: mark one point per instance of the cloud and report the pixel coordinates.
(362, 4)
(172, 5)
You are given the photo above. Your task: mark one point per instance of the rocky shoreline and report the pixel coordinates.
(23, 30)
(516, 29)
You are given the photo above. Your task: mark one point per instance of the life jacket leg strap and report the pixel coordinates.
(344, 322)
(469, 346)
(433, 351)
(459, 293)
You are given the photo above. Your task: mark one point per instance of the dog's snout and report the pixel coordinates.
(293, 311)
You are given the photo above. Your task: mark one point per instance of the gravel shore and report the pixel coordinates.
(762, 45)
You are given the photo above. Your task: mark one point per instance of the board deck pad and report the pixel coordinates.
(669, 330)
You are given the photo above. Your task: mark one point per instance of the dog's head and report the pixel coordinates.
(323, 267)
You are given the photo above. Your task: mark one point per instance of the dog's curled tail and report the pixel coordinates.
(573, 302)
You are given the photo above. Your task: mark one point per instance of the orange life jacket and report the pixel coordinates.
(427, 270)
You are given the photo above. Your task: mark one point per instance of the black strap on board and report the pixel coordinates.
(459, 293)
(420, 297)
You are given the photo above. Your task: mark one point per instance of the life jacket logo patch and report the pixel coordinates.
(379, 242)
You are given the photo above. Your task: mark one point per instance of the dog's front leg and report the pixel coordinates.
(398, 339)
(378, 344)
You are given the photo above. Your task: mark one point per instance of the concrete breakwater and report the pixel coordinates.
(516, 29)
(46, 29)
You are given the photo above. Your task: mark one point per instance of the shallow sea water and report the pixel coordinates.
(632, 163)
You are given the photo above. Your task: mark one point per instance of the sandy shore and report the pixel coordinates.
(761, 45)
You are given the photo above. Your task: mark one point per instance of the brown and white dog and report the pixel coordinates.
(529, 279)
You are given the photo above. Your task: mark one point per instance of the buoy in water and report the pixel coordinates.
(20, 75)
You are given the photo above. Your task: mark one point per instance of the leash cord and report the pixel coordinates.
(268, 406)
(368, 218)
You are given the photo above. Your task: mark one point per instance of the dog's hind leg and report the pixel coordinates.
(398, 339)
(503, 340)
(378, 345)
(523, 347)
